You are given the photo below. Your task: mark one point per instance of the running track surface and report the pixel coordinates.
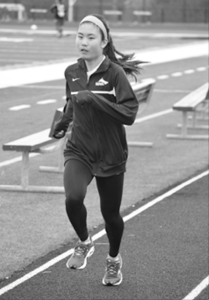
(164, 251)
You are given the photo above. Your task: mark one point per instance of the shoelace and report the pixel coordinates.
(80, 250)
(112, 268)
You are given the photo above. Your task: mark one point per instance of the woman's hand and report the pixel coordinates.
(61, 127)
(83, 97)
(59, 135)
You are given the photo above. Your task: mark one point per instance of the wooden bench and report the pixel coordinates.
(30, 144)
(37, 143)
(194, 103)
(143, 91)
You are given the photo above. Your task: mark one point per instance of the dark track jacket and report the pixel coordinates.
(59, 11)
(108, 102)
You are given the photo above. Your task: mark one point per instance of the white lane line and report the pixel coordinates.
(15, 40)
(159, 114)
(19, 107)
(143, 80)
(172, 91)
(11, 59)
(166, 195)
(42, 102)
(201, 69)
(189, 71)
(62, 256)
(196, 291)
(162, 77)
(42, 87)
(14, 160)
(176, 74)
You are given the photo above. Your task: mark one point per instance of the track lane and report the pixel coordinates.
(164, 250)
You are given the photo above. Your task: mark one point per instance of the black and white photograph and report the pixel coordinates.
(104, 153)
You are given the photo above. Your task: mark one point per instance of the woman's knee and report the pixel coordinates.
(74, 200)
(112, 219)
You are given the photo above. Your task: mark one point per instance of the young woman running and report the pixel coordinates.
(100, 101)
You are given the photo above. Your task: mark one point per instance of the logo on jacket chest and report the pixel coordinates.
(75, 79)
(101, 82)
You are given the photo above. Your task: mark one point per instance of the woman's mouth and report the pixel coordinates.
(84, 51)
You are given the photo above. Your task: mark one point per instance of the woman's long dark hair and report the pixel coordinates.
(131, 67)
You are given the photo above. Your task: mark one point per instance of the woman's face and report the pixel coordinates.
(89, 41)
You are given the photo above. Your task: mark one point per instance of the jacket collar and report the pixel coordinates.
(102, 68)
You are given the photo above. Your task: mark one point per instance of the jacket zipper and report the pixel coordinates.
(93, 125)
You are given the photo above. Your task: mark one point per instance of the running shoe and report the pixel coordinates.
(113, 274)
(78, 259)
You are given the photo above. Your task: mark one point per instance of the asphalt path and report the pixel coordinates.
(164, 251)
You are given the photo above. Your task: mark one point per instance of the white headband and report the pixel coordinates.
(97, 22)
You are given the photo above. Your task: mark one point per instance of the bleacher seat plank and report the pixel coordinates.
(30, 143)
(192, 100)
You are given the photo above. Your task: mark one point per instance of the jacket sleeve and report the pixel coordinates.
(68, 108)
(61, 125)
(124, 110)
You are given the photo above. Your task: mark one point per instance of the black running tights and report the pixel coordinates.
(77, 177)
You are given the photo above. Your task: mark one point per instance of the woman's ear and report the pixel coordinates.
(104, 43)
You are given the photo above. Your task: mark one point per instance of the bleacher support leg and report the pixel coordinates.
(184, 124)
(25, 170)
(60, 167)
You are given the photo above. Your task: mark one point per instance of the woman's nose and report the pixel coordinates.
(84, 42)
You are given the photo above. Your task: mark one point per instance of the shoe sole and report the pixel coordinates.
(113, 284)
(91, 251)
